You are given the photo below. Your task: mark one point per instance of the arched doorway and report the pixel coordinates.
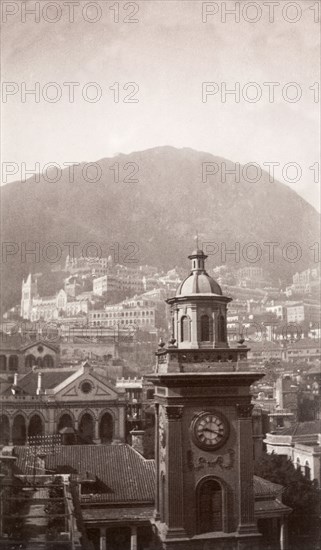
(106, 428)
(209, 506)
(3, 363)
(4, 430)
(65, 421)
(30, 361)
(48, 362)
(86, 428)
(35, 426)
(19, 430)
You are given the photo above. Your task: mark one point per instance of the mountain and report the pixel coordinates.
(161, 212)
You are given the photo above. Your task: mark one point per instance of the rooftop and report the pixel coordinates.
(312, 427)
(50, 379)
(126, 476)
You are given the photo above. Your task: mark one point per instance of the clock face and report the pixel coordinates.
(210, 430)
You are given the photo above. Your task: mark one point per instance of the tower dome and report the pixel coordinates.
(199, 281)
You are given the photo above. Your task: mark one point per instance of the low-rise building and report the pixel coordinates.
(44, 402)
(301, 443)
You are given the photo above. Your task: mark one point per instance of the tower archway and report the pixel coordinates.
(209, 495)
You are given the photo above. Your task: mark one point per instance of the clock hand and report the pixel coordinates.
(212, 431)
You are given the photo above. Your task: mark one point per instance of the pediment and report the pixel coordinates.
(35, 344)
(86, 387)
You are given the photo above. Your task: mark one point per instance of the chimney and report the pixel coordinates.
(15, 379)
(39, 384)
(137, 440)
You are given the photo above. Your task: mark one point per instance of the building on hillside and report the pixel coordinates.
(278, 308)
(251, 277)
(118, 280)
(68, 302)
(303, 311)
(304, 349)
(307, 350)
(264, 350)
(135, 313)
(43, 402)
(106, 284)
(29, 291)
(86, 266)
(307, 282)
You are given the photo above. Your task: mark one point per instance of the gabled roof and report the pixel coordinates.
(50, 379)
(126, 475)
(40, 343)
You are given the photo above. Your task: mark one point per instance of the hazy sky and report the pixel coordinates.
(168, 53)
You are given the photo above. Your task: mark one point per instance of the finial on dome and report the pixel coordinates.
(196, 240)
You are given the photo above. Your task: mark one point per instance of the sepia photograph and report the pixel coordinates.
(160, 313)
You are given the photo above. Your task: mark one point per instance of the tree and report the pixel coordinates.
(300, 493)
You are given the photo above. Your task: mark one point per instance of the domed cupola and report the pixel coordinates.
(199, 281)
(198, 309)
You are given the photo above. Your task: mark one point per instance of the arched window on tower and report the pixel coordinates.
(205, 328)
(185, 329)
(221, 329)
(209, 506)
(307, 470)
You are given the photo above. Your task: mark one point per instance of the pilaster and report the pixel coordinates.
(247, 522)
(156, 511)
(174, 469)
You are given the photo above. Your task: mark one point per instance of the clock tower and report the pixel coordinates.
(203, 449)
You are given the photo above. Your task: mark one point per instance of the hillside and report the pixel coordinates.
(160, 213)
